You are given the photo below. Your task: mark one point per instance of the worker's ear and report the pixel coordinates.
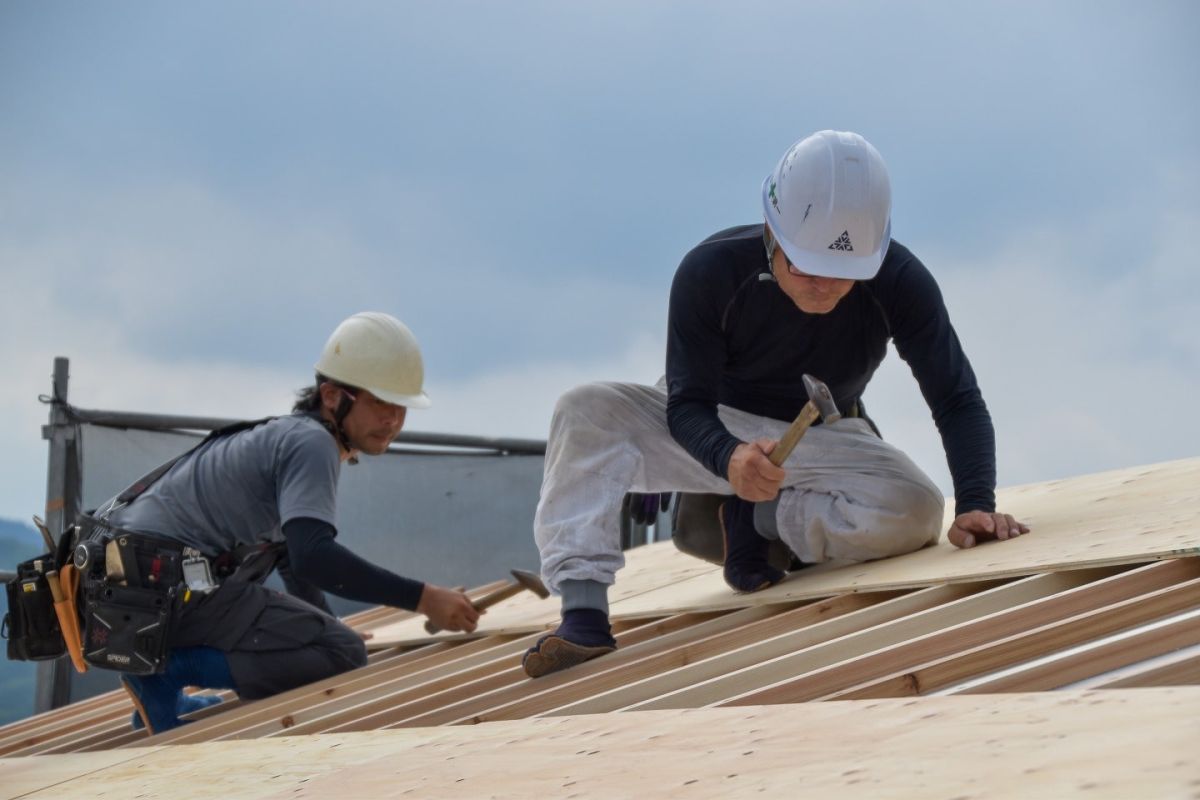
(331, 395)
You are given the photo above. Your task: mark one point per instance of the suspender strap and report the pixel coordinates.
(143, 483)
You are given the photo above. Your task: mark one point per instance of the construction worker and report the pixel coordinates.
(276, 484)
(820, 288)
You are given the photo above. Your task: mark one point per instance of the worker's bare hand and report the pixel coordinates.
(751, 474)
(980, 526)
(449, 609)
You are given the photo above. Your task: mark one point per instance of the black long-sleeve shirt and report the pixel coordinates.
(316, 561)
(740, 341)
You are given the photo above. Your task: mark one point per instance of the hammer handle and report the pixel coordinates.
(787, 442)
(503, 593)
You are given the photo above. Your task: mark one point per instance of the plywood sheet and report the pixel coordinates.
(1120, 517)
(20, 776)
(1115, 743)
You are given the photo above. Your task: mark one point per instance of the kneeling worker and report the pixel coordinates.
(818, 287)
(272, 489)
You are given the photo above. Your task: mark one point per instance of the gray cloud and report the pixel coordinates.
(194, 195)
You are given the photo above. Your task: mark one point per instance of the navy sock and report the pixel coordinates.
(587, 627)
(746, 552)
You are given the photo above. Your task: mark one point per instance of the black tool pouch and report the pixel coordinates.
(31, 624)
(130, 585)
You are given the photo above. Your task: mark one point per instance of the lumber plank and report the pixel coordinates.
(389, 692)
(281, 709)
(956, 604)
(736, 631)
(508, 680)
(967, 662)
(1105, 655)
(1179, 668)
(804, 685)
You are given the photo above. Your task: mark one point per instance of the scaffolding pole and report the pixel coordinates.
(62, 505)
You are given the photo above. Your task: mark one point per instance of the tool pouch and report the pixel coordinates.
(130, 583)
(696, 530)
(31, 624)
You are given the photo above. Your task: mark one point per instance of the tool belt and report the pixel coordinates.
(109, 596)
(130, 582)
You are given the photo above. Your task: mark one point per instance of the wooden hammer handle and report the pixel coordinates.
(787, 442)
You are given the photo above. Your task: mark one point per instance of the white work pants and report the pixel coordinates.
(848, 495)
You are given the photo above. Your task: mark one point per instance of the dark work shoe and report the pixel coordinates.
(583, 634)
(746, 567)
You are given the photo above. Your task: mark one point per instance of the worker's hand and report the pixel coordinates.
(980, 526)
(644, 508)
(751, 474)
(449, 609)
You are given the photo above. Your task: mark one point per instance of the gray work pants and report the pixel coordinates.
(274, 641)
(848, 495)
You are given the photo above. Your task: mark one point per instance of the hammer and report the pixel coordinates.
(820, 404)
(524, 580)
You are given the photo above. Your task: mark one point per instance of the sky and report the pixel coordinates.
(193, 195)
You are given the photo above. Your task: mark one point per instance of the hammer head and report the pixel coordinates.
(532, 582)
(822, 399)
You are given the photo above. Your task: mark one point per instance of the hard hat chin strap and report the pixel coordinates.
(769, 244)
(336, 427)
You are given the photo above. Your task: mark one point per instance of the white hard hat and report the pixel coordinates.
(829, 206)
(375, 351)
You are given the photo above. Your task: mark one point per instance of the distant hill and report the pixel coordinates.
(19, 541)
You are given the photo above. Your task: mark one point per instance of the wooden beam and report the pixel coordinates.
(1095, 658)
(661, 657)
(802, 685)
(347, 689)
(504, 681)
(955, 604)
(684, 685)
(937, 674)
(1180, 668)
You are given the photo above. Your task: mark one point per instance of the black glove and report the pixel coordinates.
(644, 508)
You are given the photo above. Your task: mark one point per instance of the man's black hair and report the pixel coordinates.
(308, 399)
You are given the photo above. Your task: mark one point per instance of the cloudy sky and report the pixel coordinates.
(192, 195)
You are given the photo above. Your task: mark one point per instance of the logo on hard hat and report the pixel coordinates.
(843, 243)
(774, 198)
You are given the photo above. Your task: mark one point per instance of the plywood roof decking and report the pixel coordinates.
(1131, 619)
(1120, 517)
(1098, 744)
